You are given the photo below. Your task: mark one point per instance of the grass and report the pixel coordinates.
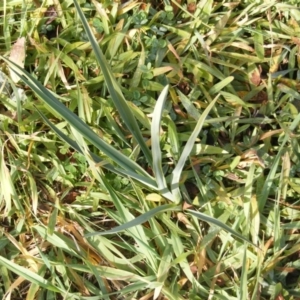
(149, 150)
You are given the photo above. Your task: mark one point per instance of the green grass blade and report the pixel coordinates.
(220, 85)
(247, 198)
(243, 283)
(114, 89)
(262, 198)
(155, 145)
(137, 76)
(135, 229)
(216, 222)
(76, 122)
(29, 275)
(188, 105)
(6, 33)
(187, 150)
(163, 269)
(124, 172)
(259, 44)
(181, 259)
(139, 220)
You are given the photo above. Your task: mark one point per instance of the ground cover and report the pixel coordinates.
(149, 150)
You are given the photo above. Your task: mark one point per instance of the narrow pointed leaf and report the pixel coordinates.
(29, 275)
(139, 220)
(75, 121)
(114, 88)
(188, 148)
(123, 172)
(220, 224)
(155, 145)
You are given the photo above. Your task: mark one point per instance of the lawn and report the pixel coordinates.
(149, 150)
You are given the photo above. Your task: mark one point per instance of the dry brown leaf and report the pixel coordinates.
(17, 55)
(268, 134)
(255, 78)
(191, 7)
(250, 157)
(279, 297)
(186, 205)
(296, 40)
(51, 14)
(175, 7)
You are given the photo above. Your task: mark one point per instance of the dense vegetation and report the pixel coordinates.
(149, 150)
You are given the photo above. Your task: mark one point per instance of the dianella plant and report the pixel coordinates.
(156, 251)
(123, 165)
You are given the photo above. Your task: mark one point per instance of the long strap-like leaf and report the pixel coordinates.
(114, 88)
(73, 120)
